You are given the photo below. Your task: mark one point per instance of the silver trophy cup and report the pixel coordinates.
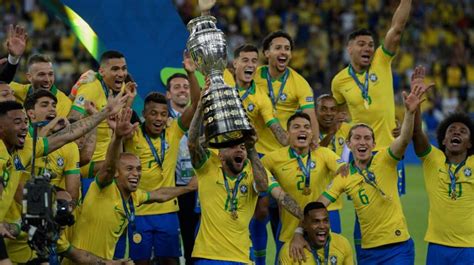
(225, 121)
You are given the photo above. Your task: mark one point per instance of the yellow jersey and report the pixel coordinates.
(155, 176)
(261, 114)
(61, 163)
(284, 166)
(14, 169)
(450, 222)
(221, 237)
(380, 113)
(62, 107)
(381, 217)
(340, 253)
(95, 93)
(339, 140)
(296, 94)
(103, 220)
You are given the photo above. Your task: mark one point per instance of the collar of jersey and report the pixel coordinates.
(293, 156)
(53, 90)
(353, 168)
(264, 73)
(252, 88)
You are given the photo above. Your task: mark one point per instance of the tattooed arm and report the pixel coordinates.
(81, 127)
(287, 202)
(280, 133)
(88, 147)
(259, 172)
(196, 150)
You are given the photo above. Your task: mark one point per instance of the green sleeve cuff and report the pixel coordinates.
(201, 163)
(329, 197)
(68, 250)
(424, 153)
(307, 106)
(270, 122)
(272, 186)
(181, 126)
(45, 146)
(147, 196)
(71, 172)
(392, 155)
(78, 109)
(387, 52)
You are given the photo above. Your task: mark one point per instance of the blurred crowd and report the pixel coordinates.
(48, 35)
(439, 35)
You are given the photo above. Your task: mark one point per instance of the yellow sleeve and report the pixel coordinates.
(305, 95)
(229, 78)
(336, 93)
(334, 190)
(383, 56)
(20, 91)
(140, 196)
(272, 183)
(72, 162)
(63, 245)
(333, 161)
(83, 94)
(266, 111)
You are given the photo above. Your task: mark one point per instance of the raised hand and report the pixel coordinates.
(131, 91)
(16, 40)
(188, 63)
(123, 127)
(115, 104)
(418, 89)
(251, 139)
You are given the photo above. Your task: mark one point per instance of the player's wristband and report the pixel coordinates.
(299, 230)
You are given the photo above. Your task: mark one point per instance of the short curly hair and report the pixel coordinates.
(455, 117)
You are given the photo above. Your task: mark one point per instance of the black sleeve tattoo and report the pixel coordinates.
(197, 151)
(280, 133)
(259, 172)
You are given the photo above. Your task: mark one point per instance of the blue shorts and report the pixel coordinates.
(335, 221)
(402, 253)
(216, 262)
(158, 232)
(440, 255)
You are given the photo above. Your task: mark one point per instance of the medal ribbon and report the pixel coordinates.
(369, 179)
(364, 88)
(452, 176)
(104, 87)
(130, 215)
(333, 141)
(159, 160)
(246, 93)
(270, 87)
(326, 253)
(305, 169)
(232, 193)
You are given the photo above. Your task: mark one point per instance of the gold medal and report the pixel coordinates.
(234, 215)
(366, 103)
(306, 191)
(137, 238)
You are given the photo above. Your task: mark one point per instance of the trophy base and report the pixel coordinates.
(228, 139)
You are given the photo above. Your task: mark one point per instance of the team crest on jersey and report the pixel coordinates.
(312, 164)
(244, 189)
(373, 77)
(80, 100)
(340, 140)
(251, 107)
(333, 260)
(309, 99)
(467, 172)
(60, 162)
(283, 97)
